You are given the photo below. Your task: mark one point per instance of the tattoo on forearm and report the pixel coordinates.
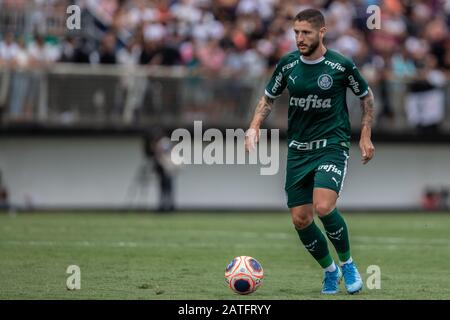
(263, 108)
(367, 106)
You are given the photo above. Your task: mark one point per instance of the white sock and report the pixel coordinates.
(350, 260)
(331, 267)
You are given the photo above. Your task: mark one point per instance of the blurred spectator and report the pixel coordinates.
(82, 51)
(402, 65)
(130, 54)
(106, 54)
(445, 198)
(8, 49)
(133, 85)
(68, 48)
(186, 13)
(4, 196)
(435, 198)
(20, 83)
(339, 16)
(159, 50)
(158, 148)
(42, 53)
(425, 99)
(211, 56)
(430, 199)
(8, 52)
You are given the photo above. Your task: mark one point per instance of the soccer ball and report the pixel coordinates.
(244, 275)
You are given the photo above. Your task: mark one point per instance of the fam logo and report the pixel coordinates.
(325, 82)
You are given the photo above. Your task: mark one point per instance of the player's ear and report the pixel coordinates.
(322, 31)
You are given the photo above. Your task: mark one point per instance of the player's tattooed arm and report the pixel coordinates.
(263, 109)
(367, 106)
(365, 142)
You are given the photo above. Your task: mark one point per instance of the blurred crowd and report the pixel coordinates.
(247, 38)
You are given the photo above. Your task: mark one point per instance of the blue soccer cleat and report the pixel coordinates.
(352, 278)
(331, 281)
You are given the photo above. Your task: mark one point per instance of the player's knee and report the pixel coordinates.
(323, 208)
(301, 221)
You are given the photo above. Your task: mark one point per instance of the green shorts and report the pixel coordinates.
(306, 170)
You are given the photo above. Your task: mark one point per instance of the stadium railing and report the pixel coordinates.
(105, 96)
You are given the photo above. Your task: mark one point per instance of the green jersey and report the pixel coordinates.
(318, 114)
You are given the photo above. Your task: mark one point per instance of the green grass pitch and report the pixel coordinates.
(183, 256)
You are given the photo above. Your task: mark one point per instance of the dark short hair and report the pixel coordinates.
(313, 16)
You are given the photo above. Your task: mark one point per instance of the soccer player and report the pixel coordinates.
(318, 142)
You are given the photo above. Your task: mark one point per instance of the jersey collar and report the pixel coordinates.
(313, 61)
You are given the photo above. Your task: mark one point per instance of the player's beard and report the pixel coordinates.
(311, 48)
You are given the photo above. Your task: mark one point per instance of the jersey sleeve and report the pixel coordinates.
(277, 83)
(356, 82)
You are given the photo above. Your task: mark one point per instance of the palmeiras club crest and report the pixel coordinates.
(325, 82)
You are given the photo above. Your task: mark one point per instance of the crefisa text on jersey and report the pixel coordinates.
(225, 309)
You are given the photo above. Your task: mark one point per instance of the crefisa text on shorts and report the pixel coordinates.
(225, 309)
(225, 150)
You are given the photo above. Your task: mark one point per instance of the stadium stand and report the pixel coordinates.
(134, 62)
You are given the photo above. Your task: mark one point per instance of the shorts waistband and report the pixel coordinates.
(316, 144)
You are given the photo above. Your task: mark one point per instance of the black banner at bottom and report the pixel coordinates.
(213, 309)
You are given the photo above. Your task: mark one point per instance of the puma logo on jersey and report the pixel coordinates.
(293, 79)
(312, 101)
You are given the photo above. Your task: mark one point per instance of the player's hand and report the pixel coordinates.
(367, 149)
(251, 138)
